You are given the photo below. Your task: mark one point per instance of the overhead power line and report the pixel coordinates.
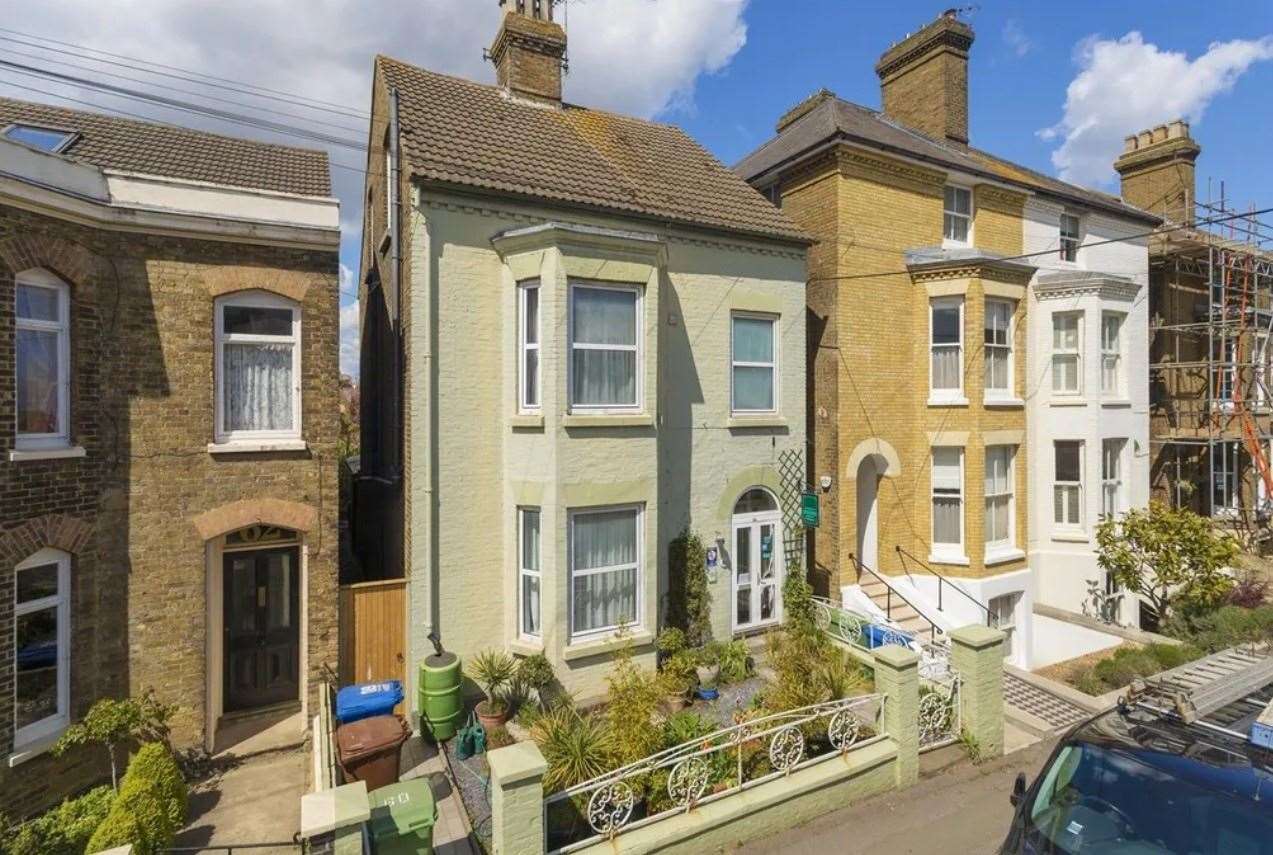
(292, 97)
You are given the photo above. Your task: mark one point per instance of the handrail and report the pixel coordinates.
(888, 600)
(903, 554)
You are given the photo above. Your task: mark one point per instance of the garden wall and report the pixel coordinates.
(1056, 641)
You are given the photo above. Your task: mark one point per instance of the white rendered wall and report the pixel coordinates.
(1057, 641)
(1065, 562)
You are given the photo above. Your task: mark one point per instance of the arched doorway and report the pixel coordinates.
(757, 561)
(869, 474)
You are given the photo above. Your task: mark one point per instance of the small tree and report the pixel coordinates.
(111, 722)
(1170, 557)
(688, 596)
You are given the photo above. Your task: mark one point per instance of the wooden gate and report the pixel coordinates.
(373, 632)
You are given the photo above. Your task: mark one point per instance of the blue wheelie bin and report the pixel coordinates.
(354, 703)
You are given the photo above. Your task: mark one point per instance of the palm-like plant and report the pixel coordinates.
(577, 747)
(493, 670)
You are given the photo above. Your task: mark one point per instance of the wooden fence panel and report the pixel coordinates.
(373, 630)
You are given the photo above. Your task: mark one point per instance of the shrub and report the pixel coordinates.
(576, 747)
(64, 830)
(679, 672)
(688, 596)
(685, 726)
(499, 737)
(1225, 627)
(735, 662)
(110, 722)
(155, 765)
(536, 672)
(1131, 663)
(150, 808)
(671, 641)
(1250, 592)
(634, 695)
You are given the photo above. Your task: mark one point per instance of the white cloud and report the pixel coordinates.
(1016, 39)
(1126, 85)
(349, 350)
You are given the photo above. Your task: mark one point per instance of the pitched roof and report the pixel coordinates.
(467, 134)
(152, 148)
(832, 119)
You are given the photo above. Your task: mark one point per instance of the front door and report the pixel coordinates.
(262, 628)
(757, 570)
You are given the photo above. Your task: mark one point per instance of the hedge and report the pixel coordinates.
(66, 829)
(150, 808)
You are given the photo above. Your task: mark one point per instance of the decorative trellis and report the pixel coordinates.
(791, 470)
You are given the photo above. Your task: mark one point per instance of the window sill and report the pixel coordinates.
(20, 454)
(526, 646)
(1074, 401)
(1071, 536)
(254, 446)
(34, 748)
(607, 644)
(1116, 402)
(1003, 556)
(947, 402)
(952, 560)
(608, 421)
(771, 421)
(526, 421)
(1003, 402)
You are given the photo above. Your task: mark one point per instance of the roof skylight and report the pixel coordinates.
(45, 139)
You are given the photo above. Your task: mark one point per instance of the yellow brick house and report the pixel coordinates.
(919, 370)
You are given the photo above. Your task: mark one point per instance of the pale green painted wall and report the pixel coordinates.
(685, 467)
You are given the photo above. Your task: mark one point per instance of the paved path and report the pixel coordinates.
(962, 810)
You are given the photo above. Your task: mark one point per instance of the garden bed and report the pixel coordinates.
(1106, 671)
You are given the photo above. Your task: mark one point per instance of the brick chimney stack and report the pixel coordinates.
(529, 50)
(1157, 168)
(924, 79)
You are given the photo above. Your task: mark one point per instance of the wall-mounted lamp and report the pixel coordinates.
(825, 482)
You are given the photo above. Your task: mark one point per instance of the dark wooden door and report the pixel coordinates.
(262, 628)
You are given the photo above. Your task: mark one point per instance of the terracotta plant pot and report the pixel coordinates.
(489, 720)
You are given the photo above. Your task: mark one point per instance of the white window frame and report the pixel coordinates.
(1229, 468)
(68, 136)
(639, 347)
(1112, 361)
(951, 212)
(1007, 543)
(46, 728)
(258, 300)
(523, 572)
(39, 278)
(1075, 353)
(524, 345)
(772, 366)
(1006, 393)
(1112, 483)
(1069, 243)
(1007, 626)
(946, 396)
(1065, 525)
(949, 552)
(638, 620)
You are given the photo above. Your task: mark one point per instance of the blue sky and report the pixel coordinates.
(1089, 71)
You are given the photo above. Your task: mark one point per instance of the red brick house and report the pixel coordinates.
(168, 430)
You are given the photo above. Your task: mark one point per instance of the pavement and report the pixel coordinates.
(253, 800)
(962, 809)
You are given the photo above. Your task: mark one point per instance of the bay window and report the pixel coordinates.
(258, 367)
(42, 360)
(1067, 484)
(605, 352)
(998, 354)
(753, 364)
(946, 339)
(1112, 353)
(1112, 477)
(528, 573)
(41, 648)
(957, 214)
(1067, 353)
(948, 503)
(999, 497)
(605, 570)
(528, 345)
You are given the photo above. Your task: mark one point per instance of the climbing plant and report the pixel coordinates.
(688, 598)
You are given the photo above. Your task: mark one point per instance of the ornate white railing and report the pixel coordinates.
(703, 770)
(940, 712)
(852, 627)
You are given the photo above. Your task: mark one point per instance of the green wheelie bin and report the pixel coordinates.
(402, 818)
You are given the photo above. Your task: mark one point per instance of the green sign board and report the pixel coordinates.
(810, 510)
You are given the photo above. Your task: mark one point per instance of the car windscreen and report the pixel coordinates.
(1104, 801)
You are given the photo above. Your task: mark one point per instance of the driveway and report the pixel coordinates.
(964, 809)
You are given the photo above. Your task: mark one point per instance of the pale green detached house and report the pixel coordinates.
(581, 335)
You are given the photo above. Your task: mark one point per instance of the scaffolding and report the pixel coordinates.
(1211, 390)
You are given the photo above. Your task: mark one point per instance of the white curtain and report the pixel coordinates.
(605, 317)
(604, 599)
(258, 386)
(998, 490)
(947, 495)
(530, 573)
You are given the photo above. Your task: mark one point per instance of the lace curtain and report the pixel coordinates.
(258, 387)
(604, 353)
(605, 598)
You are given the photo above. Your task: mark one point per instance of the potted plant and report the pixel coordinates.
(493, 670)
(679, 678)
(536, 672)
(708, 670)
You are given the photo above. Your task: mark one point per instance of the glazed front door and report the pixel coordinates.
(262, 628)
(757, 563)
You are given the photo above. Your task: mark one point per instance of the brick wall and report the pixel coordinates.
(141, 406)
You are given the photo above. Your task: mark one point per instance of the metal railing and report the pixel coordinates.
(942, 583)
(940, 712)
(852, 628)
(709, 768)
(231, 848)
(933, 629)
